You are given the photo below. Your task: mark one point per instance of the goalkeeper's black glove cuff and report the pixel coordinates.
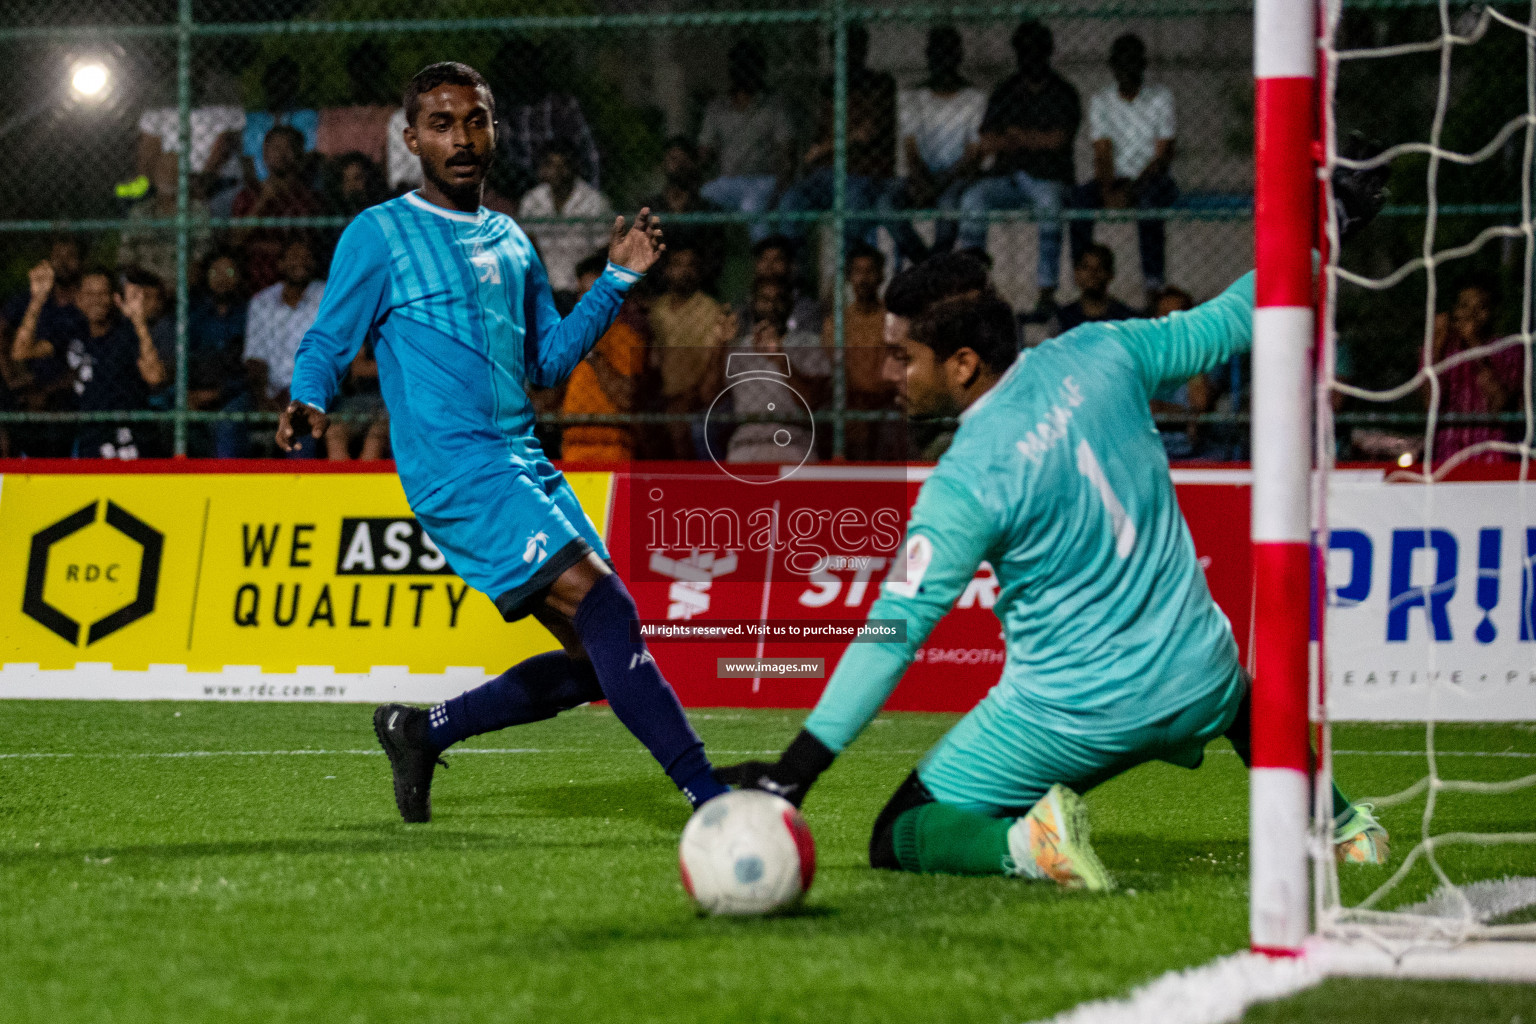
(790, 776)
(805, 759)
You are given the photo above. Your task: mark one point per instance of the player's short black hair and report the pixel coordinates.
(984, 324)
(943, 277)
(447, 72)
(594, 264)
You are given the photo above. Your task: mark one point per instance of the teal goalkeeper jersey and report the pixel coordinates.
(1057, 477)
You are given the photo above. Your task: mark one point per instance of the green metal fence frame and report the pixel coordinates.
(834, 15)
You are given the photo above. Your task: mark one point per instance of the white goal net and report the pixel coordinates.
(1426, 362)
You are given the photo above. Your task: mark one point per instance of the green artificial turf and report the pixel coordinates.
(271, 887)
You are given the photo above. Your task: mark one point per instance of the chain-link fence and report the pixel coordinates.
(1097, 154)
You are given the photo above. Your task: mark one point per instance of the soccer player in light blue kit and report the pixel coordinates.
(1116, 653)
(459, 311)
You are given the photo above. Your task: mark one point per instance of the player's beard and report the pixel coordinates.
(465, 194)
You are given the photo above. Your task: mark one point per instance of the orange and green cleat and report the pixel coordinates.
(1051, 841)
(1358, 837)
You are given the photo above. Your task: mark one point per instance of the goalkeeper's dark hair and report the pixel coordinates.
(985, 324)
(447, 72)
(943, 277)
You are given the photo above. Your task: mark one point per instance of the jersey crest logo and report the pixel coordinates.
(487, 267)
(918, 556)
(534, 550)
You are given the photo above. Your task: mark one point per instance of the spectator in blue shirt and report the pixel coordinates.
(280, 87)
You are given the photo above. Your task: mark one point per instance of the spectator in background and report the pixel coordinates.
(684, 327)
(605, 383)
(787, 435)
(746, 135)
(534, 115)
(160, 319)
(1093, 270)
(1131, 125)
(353, 183)
(871, 129)
(680, 194)
(562, 194)
(113, 364)
(864, 355)
(1027, 133)
(938, 124)
(154, 248)
(774, 257)
(275, 324)
(216, 124)
(215, 342)
(280, 88)
(1489, 384)
(1191, 397)
(362, 126)
(359, 410)
(42, 384)
(283, 193)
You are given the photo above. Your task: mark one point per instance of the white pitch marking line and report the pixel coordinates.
(1214, 993)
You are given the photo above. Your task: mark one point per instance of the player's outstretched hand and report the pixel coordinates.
(790, 776)
(297, 420)
(639, 246)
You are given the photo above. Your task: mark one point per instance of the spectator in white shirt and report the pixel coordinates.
(1132, 128)
(276, 320)
(937, 124)
(562, 194)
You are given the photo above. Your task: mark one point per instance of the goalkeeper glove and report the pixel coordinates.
(789, 777)
(1359, 195)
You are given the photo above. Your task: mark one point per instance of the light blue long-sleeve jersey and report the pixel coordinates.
(1057, 477)
(461, 317)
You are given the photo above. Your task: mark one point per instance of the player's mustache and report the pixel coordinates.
(465, 159)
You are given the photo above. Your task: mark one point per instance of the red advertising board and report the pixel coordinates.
(961, 659)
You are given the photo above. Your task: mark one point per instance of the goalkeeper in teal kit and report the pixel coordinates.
(458, 309)
(1116, 653)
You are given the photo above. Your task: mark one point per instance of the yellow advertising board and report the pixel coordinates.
(273, 570)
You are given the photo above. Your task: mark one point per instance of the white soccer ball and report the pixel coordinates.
(746, 852)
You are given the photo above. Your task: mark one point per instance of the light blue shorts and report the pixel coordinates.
(511, 533)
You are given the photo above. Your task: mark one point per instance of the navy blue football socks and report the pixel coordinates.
(530, 691)
(634, 686)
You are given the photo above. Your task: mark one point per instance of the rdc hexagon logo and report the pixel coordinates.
(105, 571)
